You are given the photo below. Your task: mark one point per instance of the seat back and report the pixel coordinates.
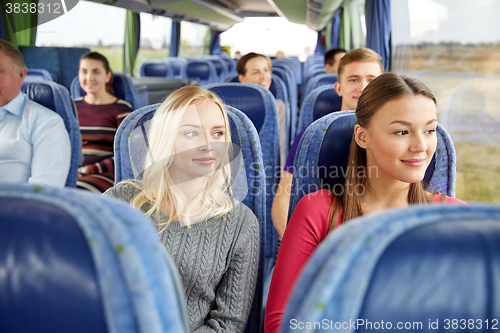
(260, 106)
(56, 97)
(122, 85)
(320, 102)
(62, 62)
(203, 70)
(279, 90)
(323, 151)
(158, 68)
(320, 80)
(178, 66)
(422, 266)
(291, 85)
(78, 262)
(35, 74)
(244, 135)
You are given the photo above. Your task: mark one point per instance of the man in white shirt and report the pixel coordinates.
(34, 143)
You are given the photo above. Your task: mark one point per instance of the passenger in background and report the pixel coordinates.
(99, 113)
(257, 69)
(393, 142)
(356, 69)
(213, 239)
(280, 55)
(34, 143)
(237, 55)
(332, 60)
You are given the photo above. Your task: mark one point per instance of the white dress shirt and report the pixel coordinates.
(34, 144)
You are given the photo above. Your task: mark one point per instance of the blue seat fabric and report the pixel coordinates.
(56, 97)
(320, 102)
(419, 264)
(32, 250)
(156, 68)
(62, 62)
(90, 247)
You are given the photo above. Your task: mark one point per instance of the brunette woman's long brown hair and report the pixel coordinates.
(384, 88)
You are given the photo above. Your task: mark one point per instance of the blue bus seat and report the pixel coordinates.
(56, 97)
(320, 102)
(260, 106)
(203, 70)
(157, 68)
(74, 261)
(318, 81)
(221, 67)
(62, 62)
(325, 146)
(178, 66)
(244, 135)
(427, 267)
(232, 78)
(37, 74)
(291, 84)
(279, 91)
(122, 85)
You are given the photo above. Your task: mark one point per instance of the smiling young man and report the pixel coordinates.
(356, 69)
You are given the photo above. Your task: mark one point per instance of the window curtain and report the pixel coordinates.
(320, 48)
(19, 29)
(345, 27)
(175, 38)
(357, 36)
(335, 30)
(378, 27)
(132, 40)
(215, 42)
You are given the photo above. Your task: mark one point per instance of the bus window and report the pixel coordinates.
(453, 46)
(269, 35)
(193, 39)
(155, 39)
(98, 27)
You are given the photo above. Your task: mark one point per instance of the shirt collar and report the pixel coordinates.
(16, 106)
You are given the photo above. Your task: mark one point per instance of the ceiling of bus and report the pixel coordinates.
(222, 14)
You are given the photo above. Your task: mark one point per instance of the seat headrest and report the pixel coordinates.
(334, 152)
(424, 267)
(155, 69)
(459, 256)
(48, 271)
(245, 98)
(41, 93)
(198, 69)
(335, 147)
(327, 102)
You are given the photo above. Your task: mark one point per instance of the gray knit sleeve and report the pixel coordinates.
(123, 191)
(234, 294)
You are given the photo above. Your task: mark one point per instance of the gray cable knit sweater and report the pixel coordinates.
(217, 259)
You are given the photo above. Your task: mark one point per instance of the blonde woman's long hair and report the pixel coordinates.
(158, 188)
(384, 88)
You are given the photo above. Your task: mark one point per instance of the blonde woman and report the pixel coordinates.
(185, 190)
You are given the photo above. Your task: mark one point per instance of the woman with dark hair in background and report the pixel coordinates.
(99, 113)
(257, 69)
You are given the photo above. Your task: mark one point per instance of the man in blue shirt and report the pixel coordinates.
(34, 143)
